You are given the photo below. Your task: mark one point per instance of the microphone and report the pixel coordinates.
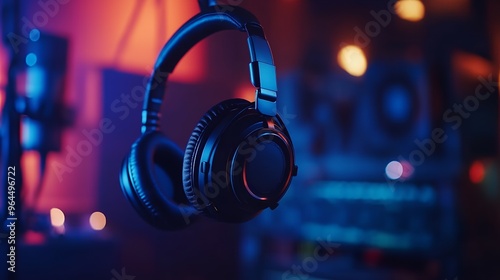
(43, 108)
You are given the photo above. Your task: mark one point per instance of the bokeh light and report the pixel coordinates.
(56, 217)
(394, 170)
(34, 35)
(352, 59)
(97, 221)
(31, 59)
(411, 10)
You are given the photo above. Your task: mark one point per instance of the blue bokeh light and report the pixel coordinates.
(31, 59)
(34, 35)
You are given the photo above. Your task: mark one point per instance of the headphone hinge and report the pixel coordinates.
(265, 102)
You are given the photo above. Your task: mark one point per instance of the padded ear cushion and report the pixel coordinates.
(206, 124)
(151, 179)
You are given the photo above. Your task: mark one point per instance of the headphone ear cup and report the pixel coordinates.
(237, 162)
(207, 123)
(151, 179)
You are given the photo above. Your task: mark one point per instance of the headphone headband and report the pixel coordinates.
(209, 21)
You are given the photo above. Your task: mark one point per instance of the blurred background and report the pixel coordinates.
(392, 106)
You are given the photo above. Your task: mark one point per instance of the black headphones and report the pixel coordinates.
(239, 159)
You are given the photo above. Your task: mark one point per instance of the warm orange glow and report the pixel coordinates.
(97, 34)
(246, 91)
(30, 163)
(352, 59)
(411, 10)
(154, 25)
(476, 172)
(192, 66)
(56, 217)
(2, 98)
(472, 65)
(97, 221)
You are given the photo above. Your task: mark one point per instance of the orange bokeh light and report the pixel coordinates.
(97, 221)
(411, 10)
(353, 60)
(57, 217)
